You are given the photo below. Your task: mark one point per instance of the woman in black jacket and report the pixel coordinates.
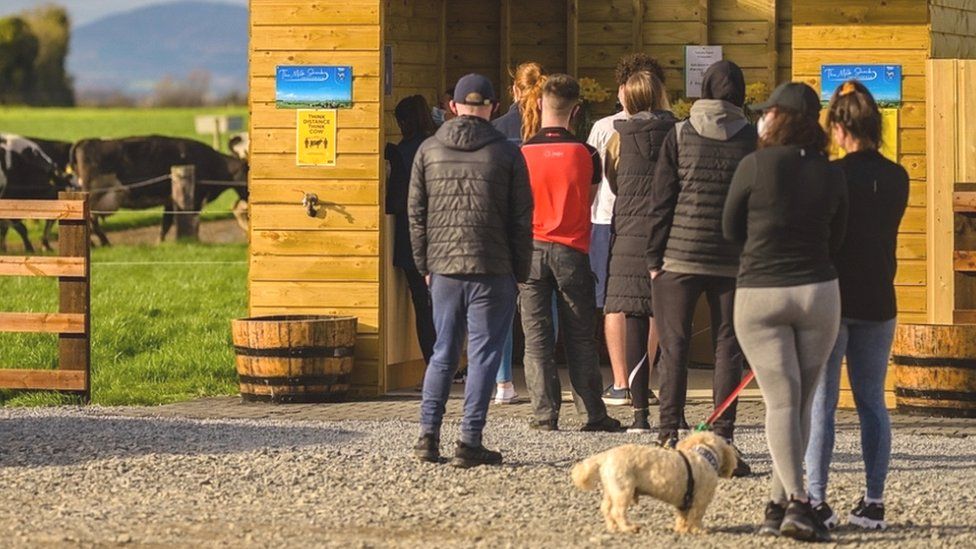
(878, 194)
(416, 124)
(631, 156)
(788, 208)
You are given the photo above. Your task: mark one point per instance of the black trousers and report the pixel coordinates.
(675, 297)
(565, 271)
(423, 312)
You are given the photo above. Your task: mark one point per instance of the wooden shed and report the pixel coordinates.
(339, 261)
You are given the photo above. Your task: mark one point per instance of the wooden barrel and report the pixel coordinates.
(294, 358)
(935, 369)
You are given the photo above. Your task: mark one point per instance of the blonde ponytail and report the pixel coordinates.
(528, 79)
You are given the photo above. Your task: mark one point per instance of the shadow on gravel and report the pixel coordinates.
(69, 440)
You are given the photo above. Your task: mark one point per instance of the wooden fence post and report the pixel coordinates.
(184, 186)
(74, 350)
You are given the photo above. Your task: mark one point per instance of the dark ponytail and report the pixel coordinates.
(853, 108)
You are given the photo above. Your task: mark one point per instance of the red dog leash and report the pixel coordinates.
(703, 426)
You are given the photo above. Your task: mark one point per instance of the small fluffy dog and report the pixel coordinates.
(632, 470)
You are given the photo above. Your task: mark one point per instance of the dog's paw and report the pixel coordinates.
(630, 529)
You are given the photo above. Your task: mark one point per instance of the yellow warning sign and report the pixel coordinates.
(316, 138)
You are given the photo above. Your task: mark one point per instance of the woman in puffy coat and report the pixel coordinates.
(632, 154)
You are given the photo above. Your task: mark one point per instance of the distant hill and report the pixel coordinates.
(131, 51)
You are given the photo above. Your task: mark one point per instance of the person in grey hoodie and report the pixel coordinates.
(687, 254)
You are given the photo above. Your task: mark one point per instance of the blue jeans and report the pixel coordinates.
(481, 307)
(600, 237)
(867, 346)
(505, 371)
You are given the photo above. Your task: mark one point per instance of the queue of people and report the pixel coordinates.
(794, 253)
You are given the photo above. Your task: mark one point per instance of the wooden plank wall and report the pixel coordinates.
(414, 29)
(953, 29)
(754, 33)
(473, 40)
(832, 31)
(329, 264)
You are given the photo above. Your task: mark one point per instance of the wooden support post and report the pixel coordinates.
(184, 186)
(772, 44)
(505, 52)
(572, 38)
(442, 52)
(941, 89)
(637, 26)
(217, 138)
(704, 21)
(74, 350)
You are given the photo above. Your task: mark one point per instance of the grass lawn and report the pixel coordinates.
(69, 124)
(161, 331)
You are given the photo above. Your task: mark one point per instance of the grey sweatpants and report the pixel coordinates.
(787, 335)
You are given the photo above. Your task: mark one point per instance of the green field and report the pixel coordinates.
(160, 315)
(74, 124)
(160, 326)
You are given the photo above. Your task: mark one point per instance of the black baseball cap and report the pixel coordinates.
(475, 90)
(792, 95)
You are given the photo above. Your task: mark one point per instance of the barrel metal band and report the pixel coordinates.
(936, 362)
(936, 411)
(295, 381)
(297, 352)
(935, 394)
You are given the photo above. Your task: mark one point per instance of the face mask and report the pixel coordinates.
(437, 114)
(761, 126)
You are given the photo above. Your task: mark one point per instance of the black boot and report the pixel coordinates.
(428, 448)
(802, 523)
(641, 425)
(472, 456)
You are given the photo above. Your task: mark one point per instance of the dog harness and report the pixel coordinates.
(709, 456)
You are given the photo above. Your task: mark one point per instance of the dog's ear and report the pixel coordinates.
(729, 459)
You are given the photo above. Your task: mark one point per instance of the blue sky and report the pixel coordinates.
(86, 11)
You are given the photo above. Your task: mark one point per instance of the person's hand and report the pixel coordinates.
(427, 279)
(654, 274)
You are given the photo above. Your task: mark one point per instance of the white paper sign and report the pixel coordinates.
(697, 61)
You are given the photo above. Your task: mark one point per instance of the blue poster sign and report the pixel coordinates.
(884, 81)
(313, 87)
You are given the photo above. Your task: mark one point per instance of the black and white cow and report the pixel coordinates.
(31, 169)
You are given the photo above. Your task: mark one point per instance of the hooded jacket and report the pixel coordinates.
(470, 203)
(692, 179)
(629, 284)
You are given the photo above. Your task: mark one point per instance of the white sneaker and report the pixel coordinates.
(505, 393)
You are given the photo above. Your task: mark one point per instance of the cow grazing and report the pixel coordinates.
(31, 169)
(113, 171)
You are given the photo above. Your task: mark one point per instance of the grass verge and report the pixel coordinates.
(160, 326)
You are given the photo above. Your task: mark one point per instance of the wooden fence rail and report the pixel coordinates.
(72, 322)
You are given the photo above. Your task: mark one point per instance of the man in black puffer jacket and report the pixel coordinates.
(470, 213)
(687, 253)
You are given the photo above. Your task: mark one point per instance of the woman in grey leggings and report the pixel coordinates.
(787, 206)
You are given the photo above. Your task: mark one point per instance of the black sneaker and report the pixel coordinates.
(428, 449)
(544, 425)
(827, 515)
(801, 523)
(605, 425)
(640, 424)
(652, 399)
(460, 377)
(868, 515)
(772, 519)
(668, 439)
(742, 469)
(616, 397)
(472, 456)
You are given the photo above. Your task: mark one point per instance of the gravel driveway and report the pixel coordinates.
(92, 478)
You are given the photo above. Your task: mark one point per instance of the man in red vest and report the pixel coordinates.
(564, 173)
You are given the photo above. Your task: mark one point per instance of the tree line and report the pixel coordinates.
(33, 52)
